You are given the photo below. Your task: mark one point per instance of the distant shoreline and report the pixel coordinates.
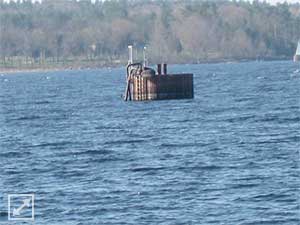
(53, 69)
(4, 71)
(36, 70)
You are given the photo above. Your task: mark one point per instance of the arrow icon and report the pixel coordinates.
(26, 203)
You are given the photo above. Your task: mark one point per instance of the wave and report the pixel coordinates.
(23, 118)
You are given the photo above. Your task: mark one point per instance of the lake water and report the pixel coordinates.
(229, 156)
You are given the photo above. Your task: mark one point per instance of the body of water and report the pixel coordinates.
(229, 156)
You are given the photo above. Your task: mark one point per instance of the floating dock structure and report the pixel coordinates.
(144, 83)
(297, 54)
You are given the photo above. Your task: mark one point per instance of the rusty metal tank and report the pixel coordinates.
(144, 84)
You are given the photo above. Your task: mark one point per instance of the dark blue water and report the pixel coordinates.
(229, 156)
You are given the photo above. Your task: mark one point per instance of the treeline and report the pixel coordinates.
(173, 31)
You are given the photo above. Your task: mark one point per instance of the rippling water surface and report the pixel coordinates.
(229, 156)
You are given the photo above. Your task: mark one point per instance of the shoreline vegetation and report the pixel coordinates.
(101, 65)
(69, 35)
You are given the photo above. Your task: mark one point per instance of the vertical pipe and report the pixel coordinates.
(158, 69)
(165, 69)
(130, 61)
(144, 54)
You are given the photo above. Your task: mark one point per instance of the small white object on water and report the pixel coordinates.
(296, 71)
(48, 78)
(5, 80)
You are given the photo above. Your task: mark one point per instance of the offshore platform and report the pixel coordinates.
(144, 83)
